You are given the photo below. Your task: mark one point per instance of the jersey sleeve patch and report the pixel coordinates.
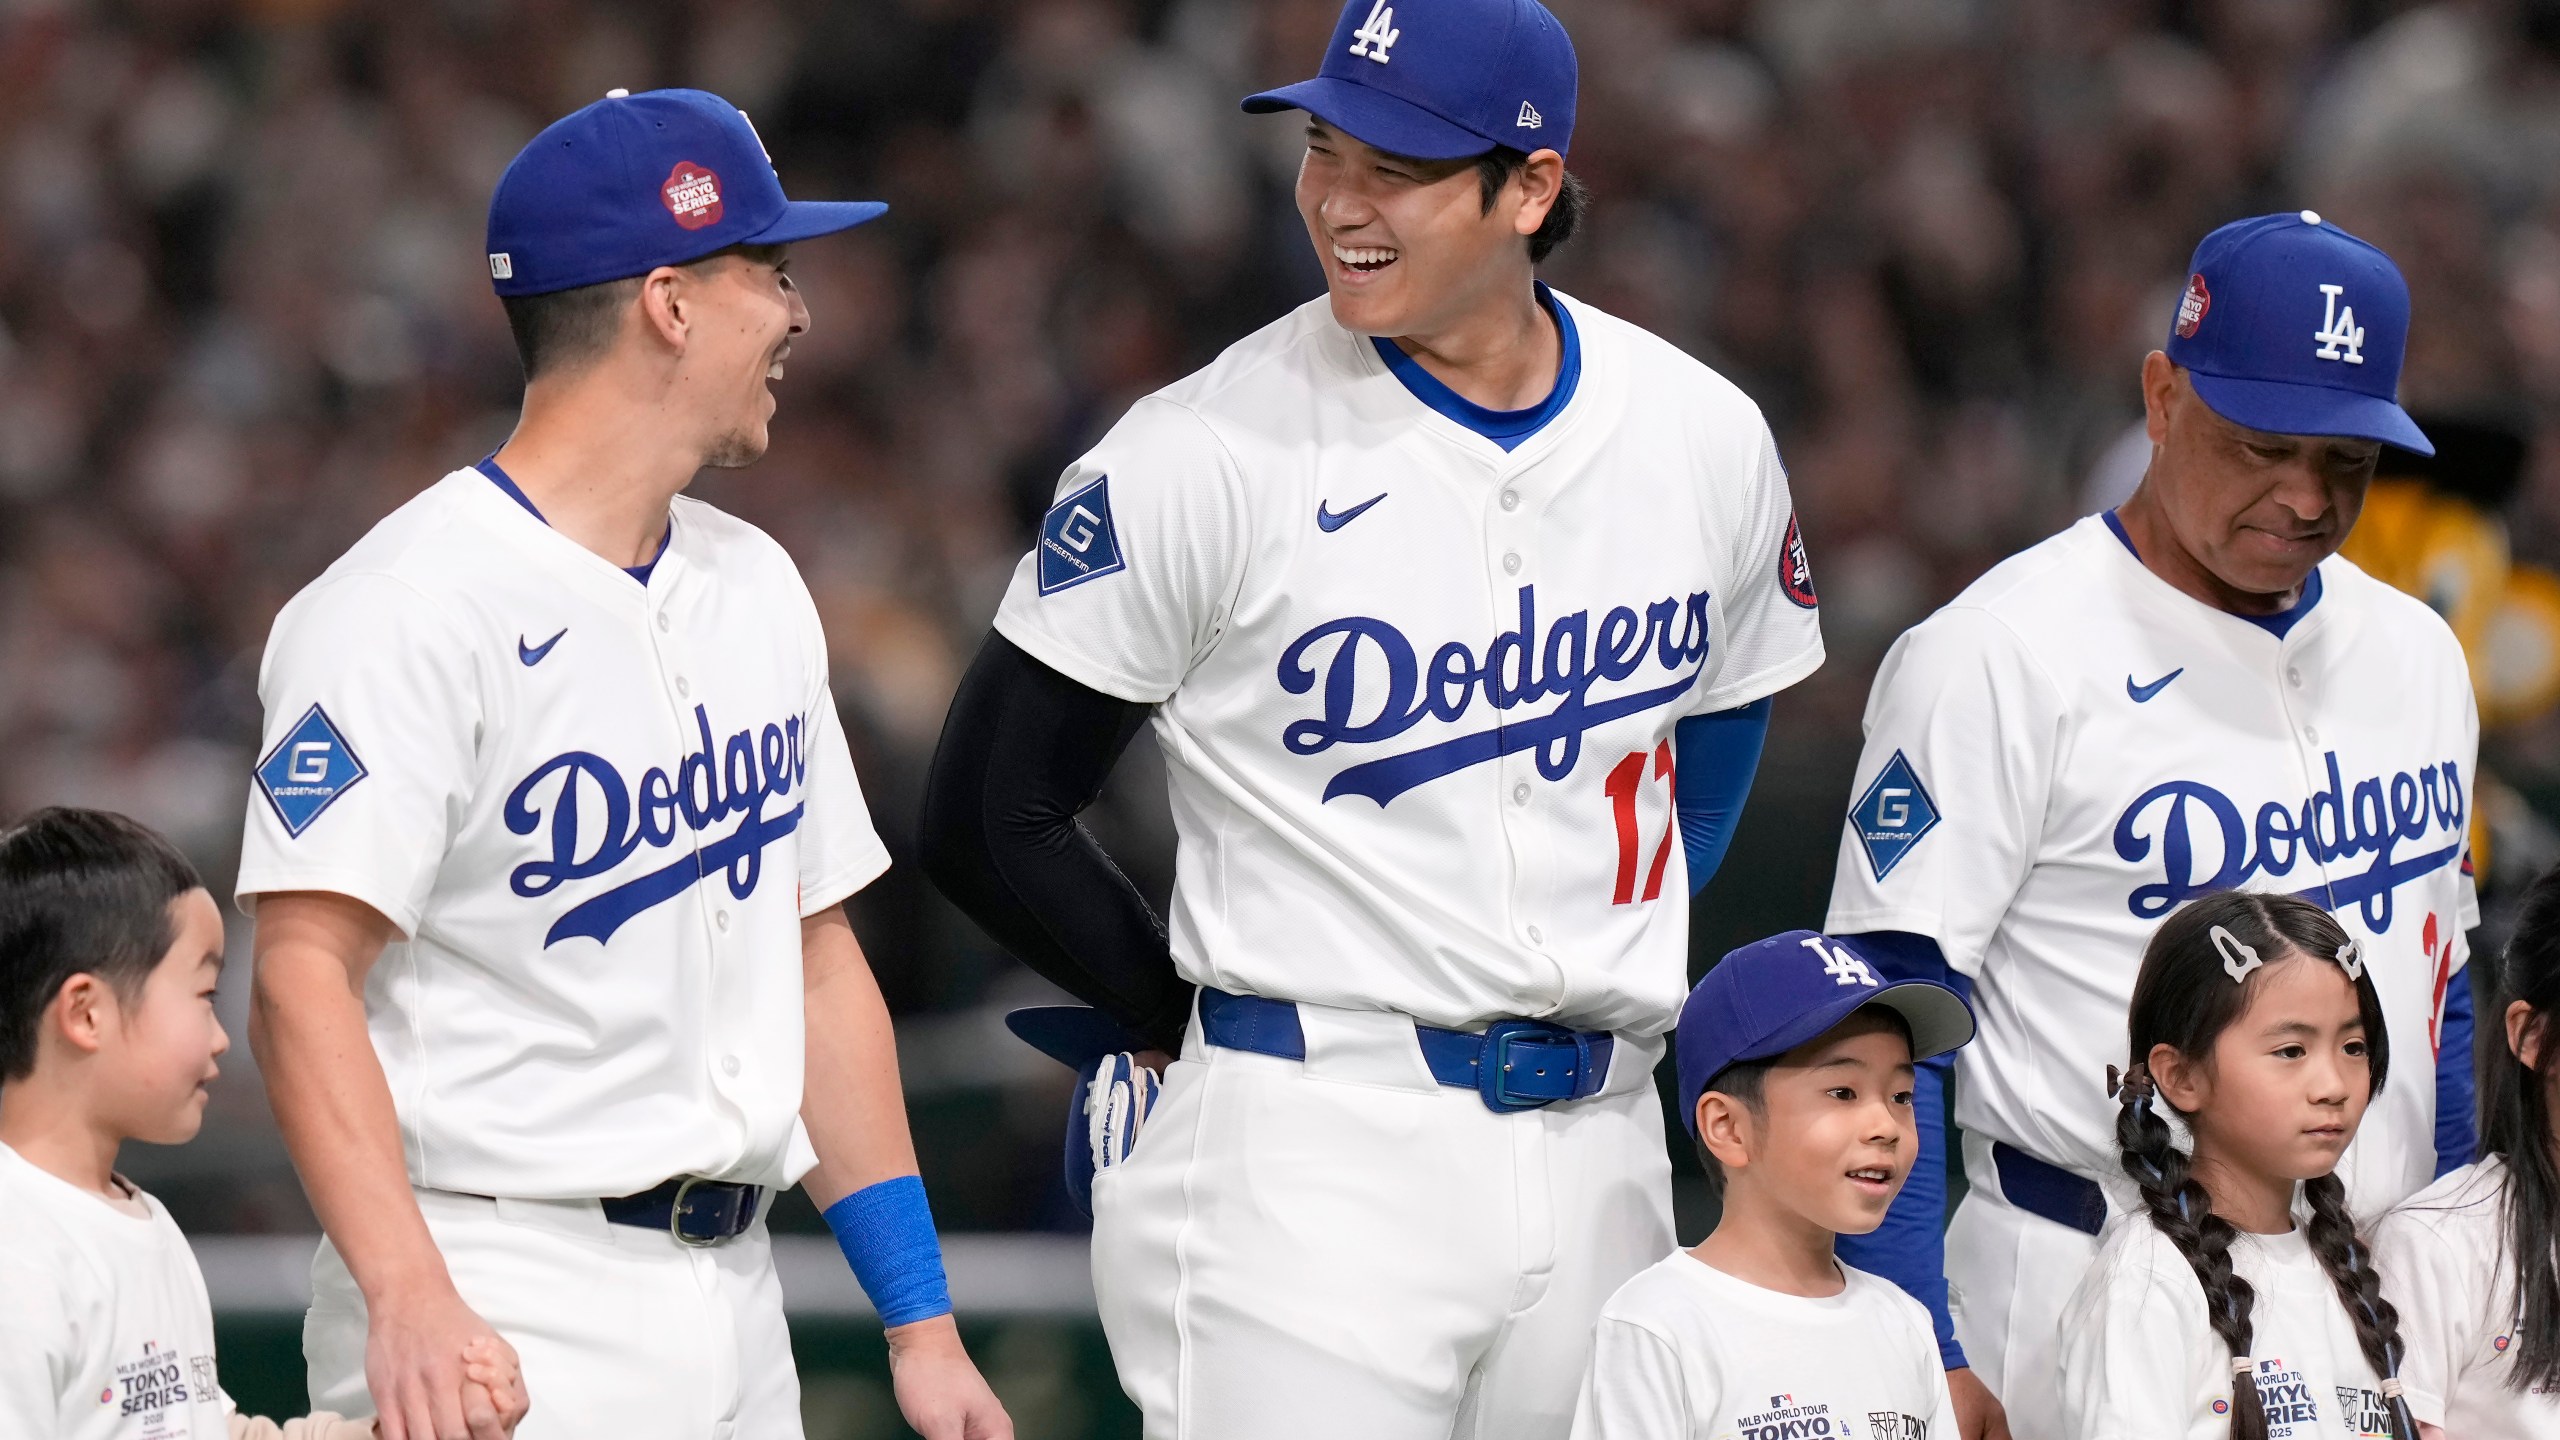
(1795, 568)
(1077, 540)
(1892, 816)
(309, 769)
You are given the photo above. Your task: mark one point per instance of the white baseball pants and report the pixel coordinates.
(622, 1331)
(1344, 1246)
(2009, 1275)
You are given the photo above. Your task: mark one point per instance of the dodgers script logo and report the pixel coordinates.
(1376, 688)
(745, 776)
(2378, 816)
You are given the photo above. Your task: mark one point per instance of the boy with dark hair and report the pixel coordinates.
(109, 952)
(1796, 1066)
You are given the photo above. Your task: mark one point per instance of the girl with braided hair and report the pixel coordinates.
(2236, 1297)
(2474, 1260)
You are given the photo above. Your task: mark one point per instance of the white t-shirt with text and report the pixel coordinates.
(2445, 1265)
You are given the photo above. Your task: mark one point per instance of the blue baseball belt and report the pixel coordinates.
(1514, 1065)
(2045, 1189)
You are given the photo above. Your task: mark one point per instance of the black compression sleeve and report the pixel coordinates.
(1023, 751)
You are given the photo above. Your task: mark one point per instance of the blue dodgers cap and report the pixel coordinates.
(2293, 326)
(1772, 995)
(1441, 79)
(634, 182)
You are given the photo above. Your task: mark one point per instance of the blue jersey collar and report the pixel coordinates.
(515, 492)
(2278, 624)
(1506, 428)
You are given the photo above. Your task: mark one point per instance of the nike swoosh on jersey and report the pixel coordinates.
(532, 654)
(2141, 693)
(1329, 522)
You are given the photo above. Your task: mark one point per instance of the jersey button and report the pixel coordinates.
(1510, 499)
(1537, 936)
(2293, 674)
(1520, 793)
(729, 1065)
(682, 686)
(664, 624)
(722, 920)
(1511, 563)
(2311, 733)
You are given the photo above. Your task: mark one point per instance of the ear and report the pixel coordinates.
(2159, 395)
(1727, 1129)
(666, 305)
(2524, 1038)
(1539, 182)
(81, 1012)
(2182, 1081)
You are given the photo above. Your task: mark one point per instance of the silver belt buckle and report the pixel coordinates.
(675, 1216)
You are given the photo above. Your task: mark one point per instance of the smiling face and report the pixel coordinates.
(2285, 1085)
(742, 311)
(158, 1051)
(1408, 246)
(1834, 1134)
(2255, 511)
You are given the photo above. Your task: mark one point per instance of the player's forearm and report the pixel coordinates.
(326, 1086)
(852, 1104)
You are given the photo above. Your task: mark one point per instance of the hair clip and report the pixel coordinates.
(2237, 959)
(2351, 960)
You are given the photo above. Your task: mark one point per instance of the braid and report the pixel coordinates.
(2182, 1210)
(2347, 1260)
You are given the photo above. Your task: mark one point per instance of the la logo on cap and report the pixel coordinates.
(692, 195)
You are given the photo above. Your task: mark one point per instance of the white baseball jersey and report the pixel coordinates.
(1687, 1352)
(2141, 1361)
(596, 810)
(105, 1332)
(1416, 692)
(2446, 1264)
(2072, 748)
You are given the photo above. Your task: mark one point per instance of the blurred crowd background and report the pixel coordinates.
(244, 314)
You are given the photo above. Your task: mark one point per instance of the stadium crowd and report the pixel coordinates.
(243, 315)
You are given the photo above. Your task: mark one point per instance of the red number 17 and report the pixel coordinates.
(1623, 780)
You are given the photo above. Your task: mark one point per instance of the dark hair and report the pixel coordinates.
(2185, 997)
(81, 892)
(1494, 169)
(568, 328)
(2517, 1126)
(1746, 1081)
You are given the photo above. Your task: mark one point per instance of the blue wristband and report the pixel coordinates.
(886, 1231)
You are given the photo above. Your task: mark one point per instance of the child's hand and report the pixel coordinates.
(492, 1366)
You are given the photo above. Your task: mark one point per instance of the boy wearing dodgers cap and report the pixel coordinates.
(1796, 1067)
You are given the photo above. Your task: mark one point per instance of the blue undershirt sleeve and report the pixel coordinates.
(1910, 1247)
(2457, 1104)
(1715, 757)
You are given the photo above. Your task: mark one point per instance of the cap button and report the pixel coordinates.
(2310, 217)
(618, 93)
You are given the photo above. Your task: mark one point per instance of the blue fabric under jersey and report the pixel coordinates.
(2276, 624)
(2457, 1103)
(515, 492)
(1715, 757)
(1910, 1248)
(1506, 428)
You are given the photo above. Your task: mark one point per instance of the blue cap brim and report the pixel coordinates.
(1073, 1035)
(1374, 118)
(2281, 407)
(809, 219)
(1937, 1016)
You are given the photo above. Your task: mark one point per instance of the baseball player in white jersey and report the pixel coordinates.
(1435, 632)
(548, 848)
(2188, 694)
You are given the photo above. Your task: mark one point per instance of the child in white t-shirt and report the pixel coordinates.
(1796, 1079)
(109, 950)
(2473, 1261)
(2210, 1311)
